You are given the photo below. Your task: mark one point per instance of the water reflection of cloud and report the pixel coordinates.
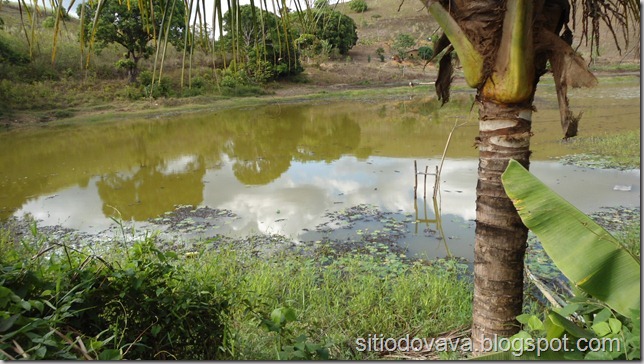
(383, 182)
(75, 207)
(309, 190)
(178, 165)
(281, 211)
(302, 196)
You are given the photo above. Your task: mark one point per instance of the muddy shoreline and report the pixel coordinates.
(284, 92)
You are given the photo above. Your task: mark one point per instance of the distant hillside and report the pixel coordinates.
(385, 19)
(377, 28)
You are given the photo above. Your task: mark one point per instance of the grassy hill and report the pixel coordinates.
(50, 91)
(385, 19)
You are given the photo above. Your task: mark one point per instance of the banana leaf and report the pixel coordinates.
(587, 254)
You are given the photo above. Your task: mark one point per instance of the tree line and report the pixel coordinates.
(254, 44)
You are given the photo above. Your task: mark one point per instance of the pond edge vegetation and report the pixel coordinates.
(139, 302)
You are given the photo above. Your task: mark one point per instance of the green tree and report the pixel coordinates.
(254, 37)
(131, 26)
(504, 48)
(337, 29)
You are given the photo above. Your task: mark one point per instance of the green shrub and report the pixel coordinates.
(154, 310)
(64, 304)
(198, 82)
(260, 72)
(31, 323)
(338, 29)
(133, 92)
(199, 85)
(37, 296)
(242, 90)
(380, 52)
(164, 88)
(230, 81)
(145, 78)
(402, 43)
(321, 4)
(265, 47)
(425, 53)
(156, 89)
(359, 6)
(49, 22)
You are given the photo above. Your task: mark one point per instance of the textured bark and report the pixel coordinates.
(504, 134)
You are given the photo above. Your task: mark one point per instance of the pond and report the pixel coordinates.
(311, 172)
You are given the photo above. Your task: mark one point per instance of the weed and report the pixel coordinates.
(287, 346)
(598, 324)
(139, 302)
(339, 300)
(67, 304)
(609, 151)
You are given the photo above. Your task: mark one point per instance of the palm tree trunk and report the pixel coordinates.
(504, 134)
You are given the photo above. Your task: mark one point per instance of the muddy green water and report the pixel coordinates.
(283, 168)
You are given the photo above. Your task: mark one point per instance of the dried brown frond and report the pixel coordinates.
(568, 69)
(617, 15)
(444, 78)
(445, 68)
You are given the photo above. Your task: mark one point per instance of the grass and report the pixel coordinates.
(92, 110)
(338, 301)
(620, 151)
(334, 302)
(616, 67)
